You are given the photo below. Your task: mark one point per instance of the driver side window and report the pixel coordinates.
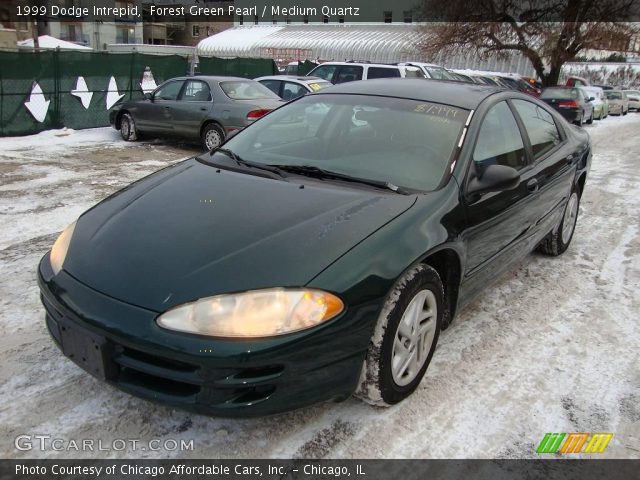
(499, 141)
(169, 91)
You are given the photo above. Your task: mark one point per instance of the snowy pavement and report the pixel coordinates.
(553, 346)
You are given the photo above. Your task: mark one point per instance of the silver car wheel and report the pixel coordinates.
(414, 337)
(213, 139)
(125, 128)
(570, 217)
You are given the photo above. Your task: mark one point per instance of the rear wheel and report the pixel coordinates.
(625, 111)
(557, 241)
(404, 339)
(128, 129)
(212, 136)
(578, 122)
(590, 121)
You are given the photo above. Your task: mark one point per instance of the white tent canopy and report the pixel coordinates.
(375, 43)
(48, 42)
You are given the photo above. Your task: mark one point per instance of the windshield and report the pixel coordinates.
(559, 93)
(614, 95)
(439, 73)
(404, 142)
(246, 90)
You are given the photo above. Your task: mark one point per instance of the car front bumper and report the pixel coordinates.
(121, 344)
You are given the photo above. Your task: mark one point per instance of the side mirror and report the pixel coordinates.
(495, 178)
(591, 99)
(148, 96)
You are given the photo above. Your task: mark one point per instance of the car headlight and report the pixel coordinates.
(60, 247)
(258, 313)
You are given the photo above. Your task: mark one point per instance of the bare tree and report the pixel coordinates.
(547, 32)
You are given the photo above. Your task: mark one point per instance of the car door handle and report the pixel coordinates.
(532, 185)
(204, 109)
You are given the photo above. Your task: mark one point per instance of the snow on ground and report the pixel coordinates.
(553, 346)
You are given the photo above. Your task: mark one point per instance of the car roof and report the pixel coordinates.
(212, 78)
(362, 64)
(298, 78)
(458, 94)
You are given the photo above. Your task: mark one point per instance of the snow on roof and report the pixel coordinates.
(374, 43)
(46, 41)
(234, 42)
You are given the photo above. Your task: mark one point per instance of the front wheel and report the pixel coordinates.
(128, 130)
(590, 121)
(404, 339)
(212, 136)
(557, 241)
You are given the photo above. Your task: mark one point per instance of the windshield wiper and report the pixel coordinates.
(316, 172)
(247, 163)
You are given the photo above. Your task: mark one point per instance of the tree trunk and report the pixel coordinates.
(551, 78)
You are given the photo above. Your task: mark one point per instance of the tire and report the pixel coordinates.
(590, 121)
(128, 130)
(399, 355)
(557, 241)
(625, 111)
(212, 136)
(579, 121)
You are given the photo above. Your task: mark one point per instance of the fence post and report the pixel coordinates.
(56, 114)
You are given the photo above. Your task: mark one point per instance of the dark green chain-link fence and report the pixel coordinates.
(237, 67)
(57, 72)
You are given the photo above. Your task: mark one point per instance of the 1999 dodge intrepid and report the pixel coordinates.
(319, 252)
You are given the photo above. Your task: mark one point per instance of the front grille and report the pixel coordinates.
(157, 376)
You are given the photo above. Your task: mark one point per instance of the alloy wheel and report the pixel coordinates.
(414, 337)
(570, 217)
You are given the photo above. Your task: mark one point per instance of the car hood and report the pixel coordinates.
(192, 230)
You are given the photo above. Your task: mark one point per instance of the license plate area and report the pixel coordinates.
(92, 352)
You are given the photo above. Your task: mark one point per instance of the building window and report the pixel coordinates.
(256, 20)
(388, 16)
(408, 16)
(305, 19)
(240, 19)
(325, 19)
(195, 30)
(125, 35)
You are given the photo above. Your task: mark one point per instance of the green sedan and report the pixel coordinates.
(319, 252)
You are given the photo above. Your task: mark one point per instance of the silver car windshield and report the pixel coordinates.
(404, 142)
(244, 90)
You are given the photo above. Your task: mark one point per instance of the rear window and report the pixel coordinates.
(560, 93)
(246, 90)
(380, 72)
(614, 95)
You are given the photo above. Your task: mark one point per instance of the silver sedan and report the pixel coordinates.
(203, 107)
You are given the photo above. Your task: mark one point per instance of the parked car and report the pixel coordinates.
(202, 107)
(618, 102)
(289, 87)
(292, 266)
(605, 87)
(572, 103)
(600, 102)
(342, 72)
(634, 99)
(431, 70)
(515, 82)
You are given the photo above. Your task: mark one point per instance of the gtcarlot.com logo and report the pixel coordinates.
(49, 443)
(574, 443)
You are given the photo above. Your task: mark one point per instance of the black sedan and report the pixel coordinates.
(319, 252)
(573, 103)
(205, 108)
